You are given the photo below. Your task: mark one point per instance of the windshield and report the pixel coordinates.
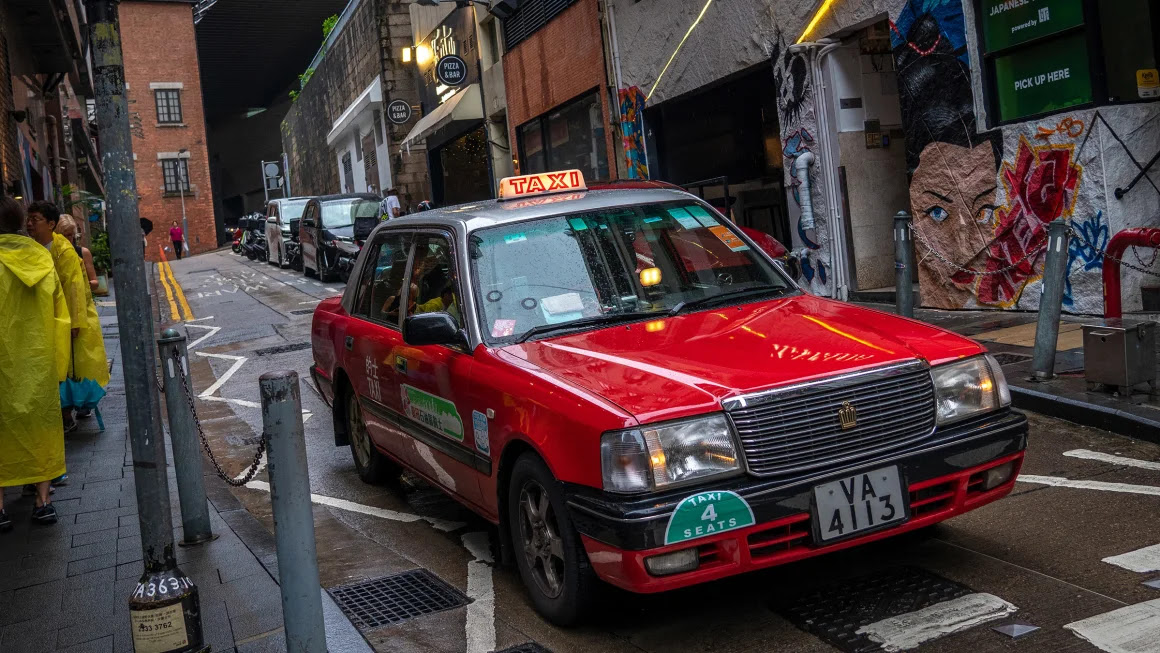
(291, 211)
(341, 213)
(653, 258)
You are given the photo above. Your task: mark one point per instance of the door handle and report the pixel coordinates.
(349, 343)
(401, 365)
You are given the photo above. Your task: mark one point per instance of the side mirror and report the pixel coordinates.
(363, 227)
(432, 329)
(294, 226)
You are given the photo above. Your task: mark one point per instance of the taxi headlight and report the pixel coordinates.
(656, 457)
(969, 387)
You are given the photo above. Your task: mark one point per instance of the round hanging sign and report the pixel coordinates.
(398, 112)
(451, 70)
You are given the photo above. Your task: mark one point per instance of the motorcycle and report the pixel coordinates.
(237, 238)
(293, 247)
(255, 246)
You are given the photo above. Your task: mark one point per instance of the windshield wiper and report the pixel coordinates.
(607, 318)
(681, 307)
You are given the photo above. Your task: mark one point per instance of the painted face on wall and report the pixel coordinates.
(952, 194)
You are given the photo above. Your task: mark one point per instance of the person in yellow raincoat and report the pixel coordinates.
(88, 346)
(34, 359)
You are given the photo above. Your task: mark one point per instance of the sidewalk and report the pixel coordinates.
(1011, 337)
(66, 587)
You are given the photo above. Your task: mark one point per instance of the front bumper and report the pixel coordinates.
(942, 476)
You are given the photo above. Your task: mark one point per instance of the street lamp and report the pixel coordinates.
(181, 173)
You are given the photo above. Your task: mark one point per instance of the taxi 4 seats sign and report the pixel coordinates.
(432, 411)
(707, 513)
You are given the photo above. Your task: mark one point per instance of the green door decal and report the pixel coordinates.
(433, 411)
(708, 513)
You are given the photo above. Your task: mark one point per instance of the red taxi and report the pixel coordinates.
(635, 392)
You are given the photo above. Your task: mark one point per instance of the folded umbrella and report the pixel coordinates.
(81, 394)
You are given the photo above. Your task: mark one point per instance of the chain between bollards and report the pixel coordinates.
(293, 515)
(903, 265)
(1051, 302)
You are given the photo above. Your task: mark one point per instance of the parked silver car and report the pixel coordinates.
(279, 213)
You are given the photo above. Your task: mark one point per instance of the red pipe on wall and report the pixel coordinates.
(1119, 243)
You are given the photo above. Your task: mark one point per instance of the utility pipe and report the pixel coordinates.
(801, 172)
(1141, 237)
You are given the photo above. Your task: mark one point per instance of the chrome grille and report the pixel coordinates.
(797, 428)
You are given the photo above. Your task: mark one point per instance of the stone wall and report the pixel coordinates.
(9, 157)
(409, 169)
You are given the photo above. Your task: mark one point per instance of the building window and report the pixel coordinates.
(176, 173)
(531, 16)
(1046, 56)
(347, 172)
(569, 137)
(168, 105)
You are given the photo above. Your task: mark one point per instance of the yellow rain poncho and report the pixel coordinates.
(35, 323)
(88, 350)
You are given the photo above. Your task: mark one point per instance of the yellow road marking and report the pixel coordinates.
(173, 312)
(180, 294)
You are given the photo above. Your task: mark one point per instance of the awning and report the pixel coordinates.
(372, 95)
(464, 106)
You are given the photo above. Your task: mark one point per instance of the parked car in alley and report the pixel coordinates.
(327, 231)
(634, 392)
(279, 213)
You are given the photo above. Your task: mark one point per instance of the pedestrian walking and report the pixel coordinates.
(67, 227)
(178, 237)
(34, 357)
(390, 207)
(87, 352)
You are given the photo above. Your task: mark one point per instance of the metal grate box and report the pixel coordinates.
(1120, 353)
(391, 599)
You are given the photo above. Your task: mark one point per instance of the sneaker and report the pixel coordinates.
(5, 522)
(70, 426)
(45, 514)
(84, 413)
(59, 481)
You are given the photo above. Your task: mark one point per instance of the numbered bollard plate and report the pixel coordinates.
(165, 614)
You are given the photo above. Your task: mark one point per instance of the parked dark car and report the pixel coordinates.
(327, 231)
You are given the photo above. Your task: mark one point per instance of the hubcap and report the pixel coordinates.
(542, 545)
(360, 444)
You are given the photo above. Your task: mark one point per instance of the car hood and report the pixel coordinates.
(679, 366)
(341, 232)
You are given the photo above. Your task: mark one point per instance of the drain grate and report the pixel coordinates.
(282, 349)
(302, 311)
(834, 613)
(526, 647)
(395, 598)
(1007, 358)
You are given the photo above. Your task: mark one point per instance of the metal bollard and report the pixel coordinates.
(183, 434)
(1051, 303)
(903, 265)
(293, 516)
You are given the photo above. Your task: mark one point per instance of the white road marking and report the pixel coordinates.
(1131, 629)
(331, 289)
(200, 319)
(1056, 481)
(239, 361)
(316, 283)
(480, 627)
(382, 513)
(312, 301)
(1141, 560)
(907, 631)
(1113, 459)
(212, 331)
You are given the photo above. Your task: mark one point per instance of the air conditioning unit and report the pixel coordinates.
(503, 9)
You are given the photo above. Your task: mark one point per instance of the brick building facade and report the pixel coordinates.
(9, 158)
(163, 81)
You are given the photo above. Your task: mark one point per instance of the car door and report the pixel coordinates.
(373, 340)
(273, 231)
(435, 380)
(308, 236)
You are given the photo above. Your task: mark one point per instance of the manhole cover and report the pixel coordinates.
(391, 599)
(526, 647)
(1007, 358)
(835, 612)
(282, 349)
(302, 311)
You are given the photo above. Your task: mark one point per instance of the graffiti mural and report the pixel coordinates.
(632, 132)
(1093, 231)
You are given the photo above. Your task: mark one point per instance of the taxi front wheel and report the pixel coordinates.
(372, 466)
(552, 561)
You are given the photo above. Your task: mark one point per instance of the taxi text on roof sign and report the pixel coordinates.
(511, 188)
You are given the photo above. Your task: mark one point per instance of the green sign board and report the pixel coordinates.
(1043, 77)
(708, 513)
(1011, 22)
(434, 411)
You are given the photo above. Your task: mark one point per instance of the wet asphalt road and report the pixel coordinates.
(1040, 551)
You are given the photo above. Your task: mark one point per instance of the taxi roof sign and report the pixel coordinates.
(543, 183)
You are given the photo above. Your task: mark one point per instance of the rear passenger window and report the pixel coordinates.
(381, 285)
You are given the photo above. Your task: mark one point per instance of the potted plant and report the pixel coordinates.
(101, 261)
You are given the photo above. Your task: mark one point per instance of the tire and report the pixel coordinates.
(324, 275)
(372, 467)
(270, 256)
(252, 254)
(552, 538)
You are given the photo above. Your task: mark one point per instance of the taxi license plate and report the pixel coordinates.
(859, 502)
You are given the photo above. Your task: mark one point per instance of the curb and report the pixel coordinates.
(1087, 414)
